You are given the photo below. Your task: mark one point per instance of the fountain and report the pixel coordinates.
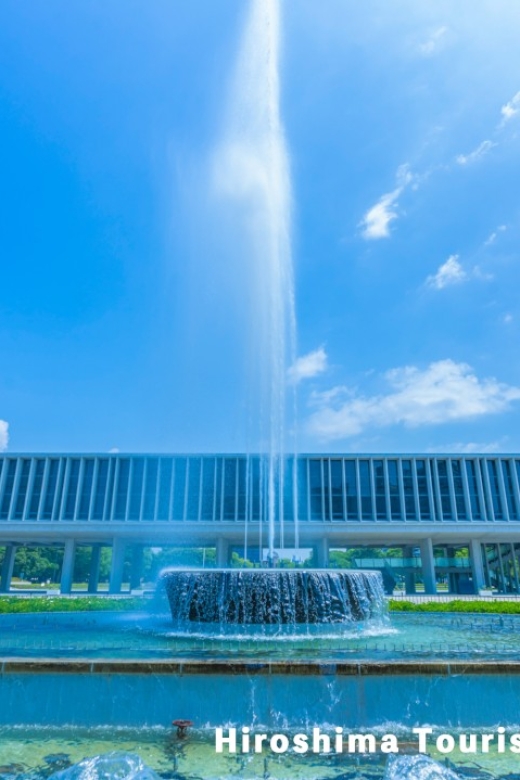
(256, 596)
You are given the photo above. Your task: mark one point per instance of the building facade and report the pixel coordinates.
(454, 518)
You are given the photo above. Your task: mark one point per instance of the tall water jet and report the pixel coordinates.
(252, 168)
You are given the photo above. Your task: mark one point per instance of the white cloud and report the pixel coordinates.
(494, 235)
(443, 392)
(434, 42)
(476, 154)
(308, 366)
(508, 318)
(114, 450)
(4, 435)
(450, 272)
(376, 222)
(510, 109)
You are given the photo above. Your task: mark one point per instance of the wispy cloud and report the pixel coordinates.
(477, 154)
(434, 43)
(494, 235)
(4, 435)
(450, 272)
(114, 450)
(444, 392)
(308, 366)
(510, 109)
(376, 222)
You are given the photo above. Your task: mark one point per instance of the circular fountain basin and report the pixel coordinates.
(273, 596)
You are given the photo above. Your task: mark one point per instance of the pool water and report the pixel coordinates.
(144, 636)
(29, 754)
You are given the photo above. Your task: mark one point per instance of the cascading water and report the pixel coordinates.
(273, 597)
(253, 169)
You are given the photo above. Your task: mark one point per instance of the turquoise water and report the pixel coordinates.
(63, 754)
(142, 636)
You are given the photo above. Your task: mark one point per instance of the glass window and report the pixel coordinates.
(230, 487)
(351, 488)
(444, 489)
(473, 490)
(458, 487)
(422, 486)
(365, 490)
(110, 489)
(8, 489)
(408, 489)
(379, 485)
(192, 509)
(393, 482)
(86, 489)
(122, 489)
(336, 479)
(218, 489)
(208, 488)
(150, 489)
(165, 488)
(316, 489)
(508, 483)
(244, 467)
(495, 493)
(72, 489)
(50, 491)
(34, 503)
(22, 489)
(136, 489)
(101, 489)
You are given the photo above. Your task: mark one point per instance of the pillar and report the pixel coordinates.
(409, 582)
(428, 566)
(477, 569)
(95, 564)
(7, 568)
(116, 567)
(409, 575)
(67, 569)
(222, 553)
(322, 553)
(136, 571)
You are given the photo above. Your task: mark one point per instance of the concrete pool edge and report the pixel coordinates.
(442, 668)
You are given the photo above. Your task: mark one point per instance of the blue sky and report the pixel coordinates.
(117, 326)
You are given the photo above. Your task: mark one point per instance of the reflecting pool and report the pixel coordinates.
(144, 636)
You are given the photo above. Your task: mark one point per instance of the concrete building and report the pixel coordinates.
(454, 518)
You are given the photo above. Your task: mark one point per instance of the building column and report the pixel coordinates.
(7, 568)
(67, 569)
(136, 571)
(222, 553)
(116, 567)
(477, 569)
(322, 553)
(428, 566)
(409, 576)
(409, 583)
(95, 565)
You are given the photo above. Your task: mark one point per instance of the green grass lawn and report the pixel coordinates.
(493, 607)
(12, 604)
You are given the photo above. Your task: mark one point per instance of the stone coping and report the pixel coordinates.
(257, 668)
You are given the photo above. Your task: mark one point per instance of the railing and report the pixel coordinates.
(410, 563)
